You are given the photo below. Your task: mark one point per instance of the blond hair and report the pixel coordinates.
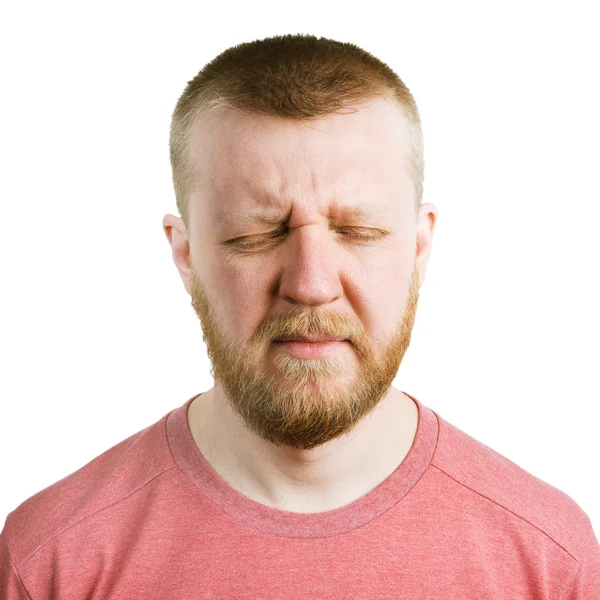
(293, 76)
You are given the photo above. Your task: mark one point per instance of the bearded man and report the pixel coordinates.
(303, 243)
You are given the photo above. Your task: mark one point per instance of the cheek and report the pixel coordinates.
(383, 289)
(240, 293)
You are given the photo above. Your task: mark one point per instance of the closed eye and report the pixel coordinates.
(364, 233)
(352, 233)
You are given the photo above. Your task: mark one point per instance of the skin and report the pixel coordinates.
(300, 434)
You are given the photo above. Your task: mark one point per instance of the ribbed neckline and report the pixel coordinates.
(273, 521)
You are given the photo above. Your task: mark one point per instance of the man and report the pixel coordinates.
(303, 242)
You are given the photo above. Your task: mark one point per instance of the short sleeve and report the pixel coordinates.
(586, 583)
(11, 586)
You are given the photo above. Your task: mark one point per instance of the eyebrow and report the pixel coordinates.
(272, 216)
(257, 215)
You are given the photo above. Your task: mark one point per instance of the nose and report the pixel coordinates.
(311, 270)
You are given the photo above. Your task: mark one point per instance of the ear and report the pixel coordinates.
(180, 247)
(426, 223)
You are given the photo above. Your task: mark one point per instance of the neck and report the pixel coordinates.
(323, 478)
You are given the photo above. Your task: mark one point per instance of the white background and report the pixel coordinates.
(98, 337)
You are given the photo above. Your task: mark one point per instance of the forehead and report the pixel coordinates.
(256, 167)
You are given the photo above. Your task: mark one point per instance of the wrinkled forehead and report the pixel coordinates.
(254, 159)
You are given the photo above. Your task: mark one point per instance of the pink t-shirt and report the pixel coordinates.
(150, 519)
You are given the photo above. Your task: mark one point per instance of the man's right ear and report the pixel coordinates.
(177, 237)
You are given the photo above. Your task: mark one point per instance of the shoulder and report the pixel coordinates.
(107, 479)
(490, 476)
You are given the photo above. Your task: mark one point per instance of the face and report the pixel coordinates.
(338, 257)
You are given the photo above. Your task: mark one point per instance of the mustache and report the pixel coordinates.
(302, 324)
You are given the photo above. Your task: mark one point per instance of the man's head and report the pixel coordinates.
(297, 165)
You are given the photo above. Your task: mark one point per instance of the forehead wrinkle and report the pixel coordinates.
(338, 215)
(270, 216)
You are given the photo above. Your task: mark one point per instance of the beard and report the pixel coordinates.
(306, 402)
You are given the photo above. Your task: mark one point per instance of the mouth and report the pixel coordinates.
(309, 346)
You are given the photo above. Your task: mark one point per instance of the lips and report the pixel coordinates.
(311, 338)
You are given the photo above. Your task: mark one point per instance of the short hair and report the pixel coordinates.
(294, 76)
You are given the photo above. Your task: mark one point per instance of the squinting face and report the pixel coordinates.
(337, 258)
